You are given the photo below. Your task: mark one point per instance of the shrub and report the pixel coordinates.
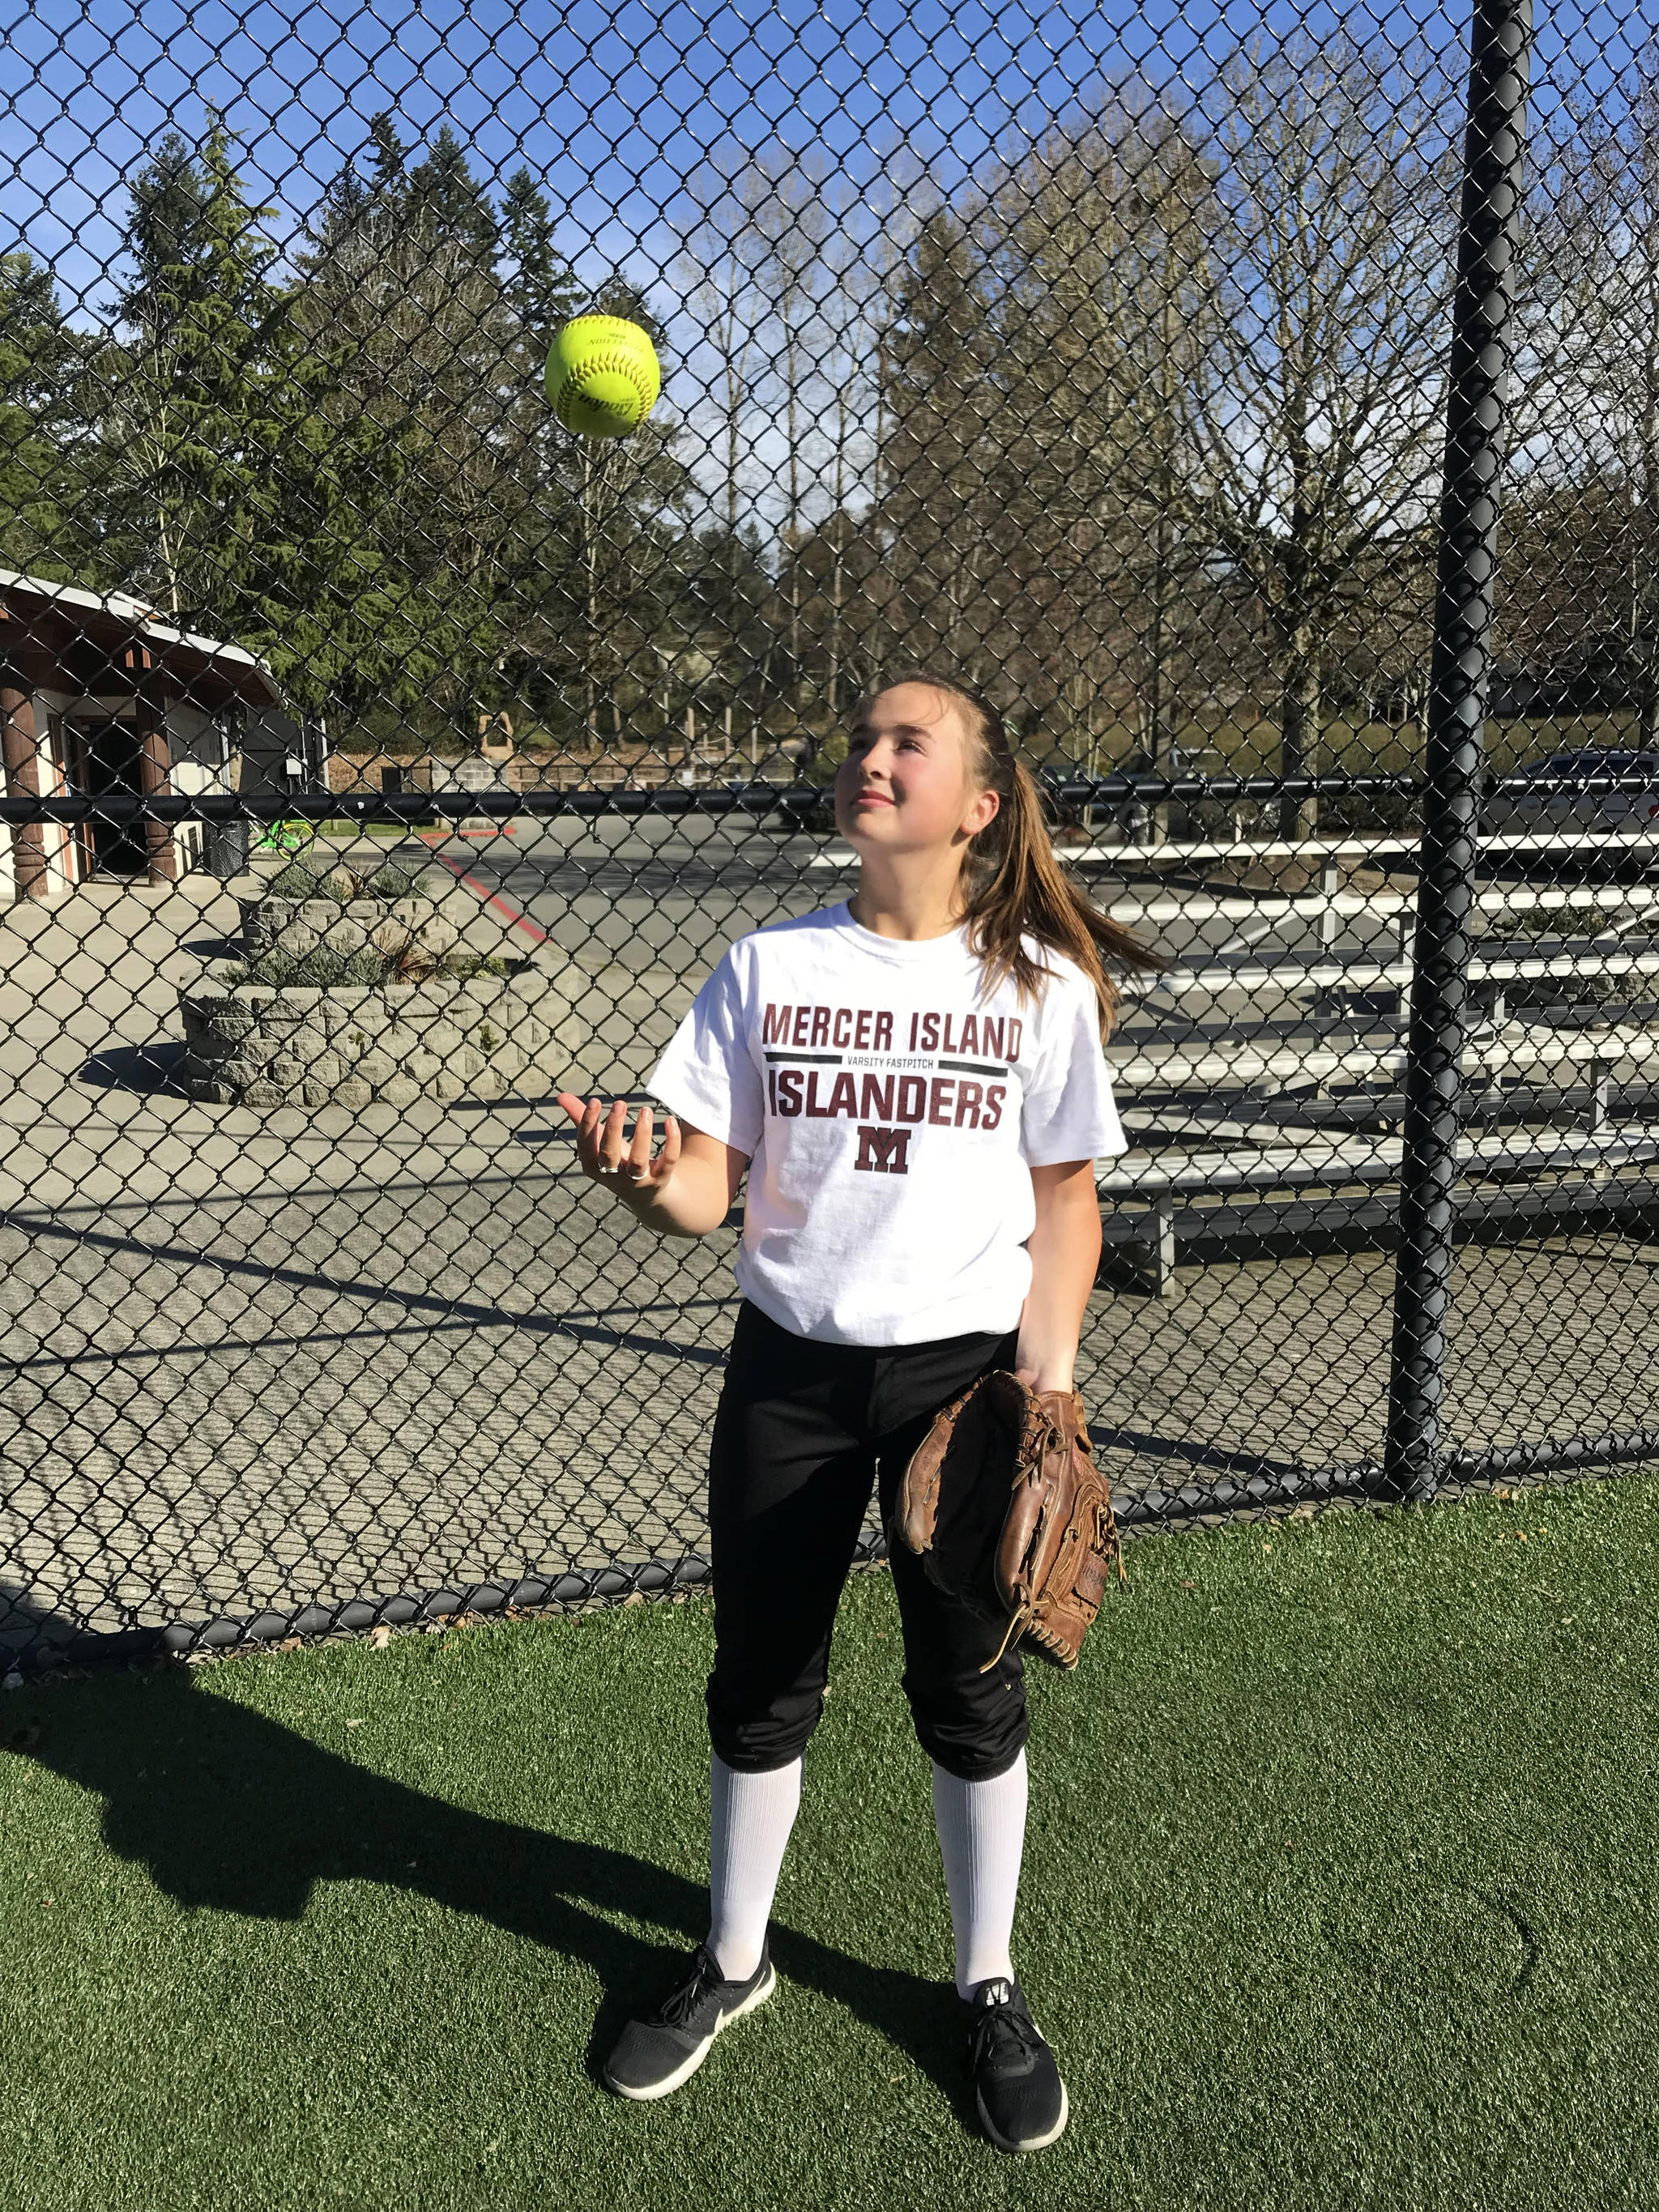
(390, 882)
(318, 970)
(310, 879)
(300, 879)
(326, 969)
(1568, 924)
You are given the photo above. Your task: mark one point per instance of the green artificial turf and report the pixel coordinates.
(1341, 1888)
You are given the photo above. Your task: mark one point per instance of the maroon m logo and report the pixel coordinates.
(884, 1151)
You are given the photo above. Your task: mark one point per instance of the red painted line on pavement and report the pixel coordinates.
(501, 903)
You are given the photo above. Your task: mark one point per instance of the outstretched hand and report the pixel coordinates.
(610, 1156)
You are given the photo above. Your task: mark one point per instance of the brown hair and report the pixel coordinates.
(1016, 886)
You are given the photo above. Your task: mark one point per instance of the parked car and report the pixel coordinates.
(1554, 793)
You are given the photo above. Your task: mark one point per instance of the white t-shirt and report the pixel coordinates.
(892, 1115)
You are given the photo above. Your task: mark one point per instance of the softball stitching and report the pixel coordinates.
(623, 364)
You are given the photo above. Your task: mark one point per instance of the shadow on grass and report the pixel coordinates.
(230, 1811)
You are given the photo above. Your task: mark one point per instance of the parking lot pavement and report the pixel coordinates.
(224, 1403)
(676, 892)
(91, 1108)
(261, 1359)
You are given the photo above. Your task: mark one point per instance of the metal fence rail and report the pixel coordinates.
(380, 758)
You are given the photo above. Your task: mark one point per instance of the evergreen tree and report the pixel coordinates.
(444, 197)
(185, 396)
(586, 589)
(238, 497)
(43, 517)
(540, 288)
(403, 284)
(619, 295)
(391, 155)
(540, 588)
(603, 595)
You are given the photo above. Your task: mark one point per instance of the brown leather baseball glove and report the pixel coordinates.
(1007, 1510)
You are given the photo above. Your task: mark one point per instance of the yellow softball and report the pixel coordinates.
(603, 376)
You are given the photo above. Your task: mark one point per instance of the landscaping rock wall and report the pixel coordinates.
(443, 1037)
(433, 918)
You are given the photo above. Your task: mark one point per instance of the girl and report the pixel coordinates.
(914, 1082)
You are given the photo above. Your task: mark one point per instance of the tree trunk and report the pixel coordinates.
(1647, 732)
(837, 559)
(733, 427)
(835, 574)
(792, 535)
(1641, 615)
(1298, 735)
(591, 588)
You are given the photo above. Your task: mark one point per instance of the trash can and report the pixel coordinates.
(225, 849)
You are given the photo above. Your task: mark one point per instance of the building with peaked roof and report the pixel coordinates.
(99, 696)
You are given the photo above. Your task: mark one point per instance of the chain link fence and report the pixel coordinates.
(381, 758)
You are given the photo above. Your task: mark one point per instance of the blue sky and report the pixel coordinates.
(614, 106)
(611, 108)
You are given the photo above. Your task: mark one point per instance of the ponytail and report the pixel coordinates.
(1014, 886)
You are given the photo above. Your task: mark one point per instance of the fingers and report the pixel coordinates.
(606, 1151)
(639, 1152)
(588, 1115)
(641, 1167)
(613, 1144)
(584, 1112)
(671, 1144)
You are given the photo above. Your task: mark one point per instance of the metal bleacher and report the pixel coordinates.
(1269, 1125)
(1272, 1125)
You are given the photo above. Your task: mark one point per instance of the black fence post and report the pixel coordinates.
(1488, 229)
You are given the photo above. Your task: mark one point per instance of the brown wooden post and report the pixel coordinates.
(22, 764)
(154, 761)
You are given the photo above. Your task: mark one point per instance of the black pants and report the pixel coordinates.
(803, 1431)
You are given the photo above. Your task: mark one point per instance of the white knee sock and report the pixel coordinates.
(981, 1833)
(750, 1817)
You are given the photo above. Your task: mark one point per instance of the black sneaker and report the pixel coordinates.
(1017, 2084)
(655, 2056)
